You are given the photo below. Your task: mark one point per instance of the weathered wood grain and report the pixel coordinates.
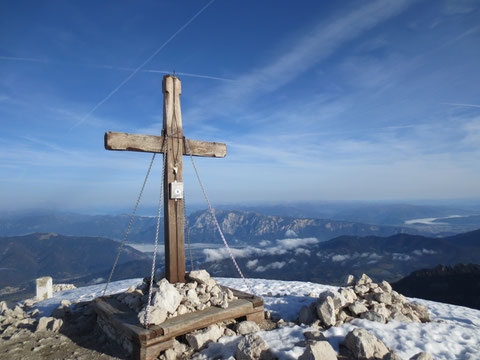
(151, 143)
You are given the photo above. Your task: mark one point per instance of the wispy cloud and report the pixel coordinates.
(466, 105)
(311, 48)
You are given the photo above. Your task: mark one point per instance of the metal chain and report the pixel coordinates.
(132, 217)
(212, 212)
(150, 288)
(187, 230)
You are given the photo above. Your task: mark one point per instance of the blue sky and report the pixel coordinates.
(316, 100)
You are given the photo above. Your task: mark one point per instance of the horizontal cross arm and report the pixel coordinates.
(152, 143)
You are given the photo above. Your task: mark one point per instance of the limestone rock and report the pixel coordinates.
(65, 303)
(48, 324)
(246, 327)
(384, 298)
(422, 356)
(362, 289)
(364, 279)
(252, 347)
(179, 348)
(200, 338)
(398, 316)
(167, 297)
(421, 311)
(306, 315)
(314, 336)
(373, 316)
(229, 332)
(156, 316)
(350, 280)
(3, 307)
(381, 309)
(357, 308)
(385, 286)
(339, 300)
(349, 295)
(398, 298)
(365, 345)
(169, 354)
(326, 311)
(319, 350)
(200, 276)
(391, 356)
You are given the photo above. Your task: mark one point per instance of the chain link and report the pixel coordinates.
(212, 212)
(150, 288)
(132, 217)
(187, 230)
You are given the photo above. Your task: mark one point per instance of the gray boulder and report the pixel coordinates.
(200, 276)
(326, 311)
(198, 339)
(156, 316)
(167, 297)
(365, 345)
(246, 327)
(318, 350)
(306, 315)
(251, 347)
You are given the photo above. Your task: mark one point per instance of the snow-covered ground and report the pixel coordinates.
(454, 332)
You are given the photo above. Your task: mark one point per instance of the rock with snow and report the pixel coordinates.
(246, 327)
(365, 345)
(318, 350)
(252, 347)
(198, 339)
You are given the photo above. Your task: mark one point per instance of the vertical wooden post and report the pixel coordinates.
(173, 209)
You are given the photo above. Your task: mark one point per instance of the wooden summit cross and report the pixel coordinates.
(173, 177)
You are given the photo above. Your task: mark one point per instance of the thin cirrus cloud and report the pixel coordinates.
(311, 48)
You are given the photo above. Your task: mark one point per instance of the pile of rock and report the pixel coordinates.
(362, 299)
(170, 300)
(17, 322)
(251, 346)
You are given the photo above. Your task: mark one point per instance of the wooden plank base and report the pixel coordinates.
(120, 323)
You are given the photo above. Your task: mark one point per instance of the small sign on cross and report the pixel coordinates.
(176, 147)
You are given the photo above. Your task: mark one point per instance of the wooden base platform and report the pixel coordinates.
(121, 324)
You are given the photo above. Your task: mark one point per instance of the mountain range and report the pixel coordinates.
(65, 258)
(241, 227)
(458, 285)
(329, 262)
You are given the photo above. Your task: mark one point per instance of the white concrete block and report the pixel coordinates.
(44, 288)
